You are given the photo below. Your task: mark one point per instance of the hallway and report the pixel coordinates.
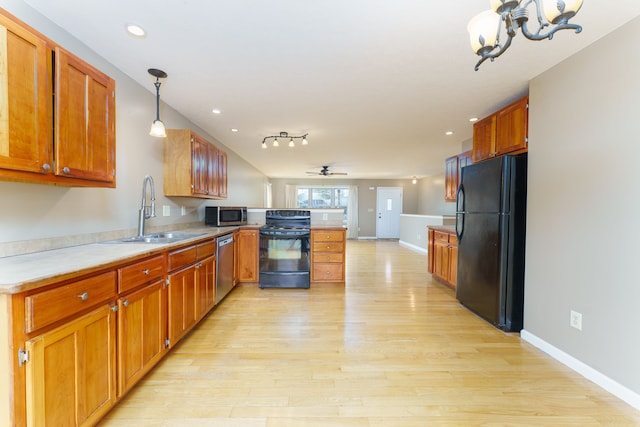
(391, 348)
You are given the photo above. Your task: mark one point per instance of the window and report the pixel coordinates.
(323, 197)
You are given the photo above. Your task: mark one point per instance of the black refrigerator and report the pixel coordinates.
(490, 224)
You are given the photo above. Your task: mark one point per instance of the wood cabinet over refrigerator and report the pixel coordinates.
(193, 167)
(505, 131)
(58, 112)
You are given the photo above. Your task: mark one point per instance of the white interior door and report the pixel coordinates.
(389, 206)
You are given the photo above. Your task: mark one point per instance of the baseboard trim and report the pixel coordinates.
(413, 247)
(367, 237)
(613, 387)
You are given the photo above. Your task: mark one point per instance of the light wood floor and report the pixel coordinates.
(392, 348)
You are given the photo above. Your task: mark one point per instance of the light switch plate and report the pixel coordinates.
(166, 210)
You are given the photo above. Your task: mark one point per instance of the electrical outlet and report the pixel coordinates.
(183, 210)
(325, 216)
(419, 236)
(576, 320)
(166, 210)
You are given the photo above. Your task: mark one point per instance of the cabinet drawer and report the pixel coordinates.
(134, 275)
(206, 249)
(328, 257)
(182, 257)
(441, 237)
(47, 307)
(328, 271)
(328, 236)
(328, 247)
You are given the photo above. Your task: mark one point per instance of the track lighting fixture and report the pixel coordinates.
(284, 135)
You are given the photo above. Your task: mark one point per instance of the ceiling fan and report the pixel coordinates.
(326, 172)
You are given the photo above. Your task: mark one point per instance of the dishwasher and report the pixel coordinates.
(224, 266)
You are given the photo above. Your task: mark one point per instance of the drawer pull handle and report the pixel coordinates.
(125, 303)
(84, 296)
(146, 272)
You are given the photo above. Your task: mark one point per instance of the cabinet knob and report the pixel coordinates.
(114, 308)
(83, 296)
(46, 167)
(66, 169)
(146, 272)
(125, 303)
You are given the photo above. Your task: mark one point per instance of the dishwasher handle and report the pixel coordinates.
(223, 241)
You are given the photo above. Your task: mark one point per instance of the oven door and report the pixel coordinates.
(284, 260)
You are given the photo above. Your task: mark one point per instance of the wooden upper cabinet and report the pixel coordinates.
(53, 131)
(452, 173)
(450, 178)
(193, 166)
(26, 108)
(512, 127)
(85, 120)
(505, 131)
(484, 138)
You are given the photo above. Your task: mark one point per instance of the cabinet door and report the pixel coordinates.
(450, 178)
(200, 165)
(206, 284)
(453, 265)
(25, 101)
(222, 174)
(247, 260)
(213, 179)
(484, 138)
(85, 120)
(512, 127)
(181, 303)
(71, 375)
(142, 330)
(441, 259)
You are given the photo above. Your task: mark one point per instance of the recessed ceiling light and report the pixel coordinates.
(473, 119)
(215, 111)
(449, 132)
(136, 31)
(234, 130)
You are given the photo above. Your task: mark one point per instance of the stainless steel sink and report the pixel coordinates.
(169, 237)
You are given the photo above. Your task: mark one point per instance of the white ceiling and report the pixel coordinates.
(375, 83)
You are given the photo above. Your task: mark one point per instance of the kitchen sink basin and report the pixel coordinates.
(169, 237)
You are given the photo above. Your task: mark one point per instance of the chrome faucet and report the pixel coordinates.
(146, 211)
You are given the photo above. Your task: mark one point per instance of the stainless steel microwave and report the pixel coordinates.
(224, 216)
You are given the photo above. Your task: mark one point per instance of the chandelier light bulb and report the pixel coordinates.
(264, 145)
(291, 144)
(275, 143)
(304, 141)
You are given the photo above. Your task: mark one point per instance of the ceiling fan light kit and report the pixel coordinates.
(284, 136)
(484, 28)
(326, 172)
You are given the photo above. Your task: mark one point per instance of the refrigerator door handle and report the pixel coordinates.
(459, 212)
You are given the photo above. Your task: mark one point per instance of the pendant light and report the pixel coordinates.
(157, 127)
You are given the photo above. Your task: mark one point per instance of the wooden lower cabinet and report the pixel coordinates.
(247, 242)
(71, 374)
(142, 332)
(443, 255)
(206, 286)
(182, 303)
(328, 247)
(191, 287)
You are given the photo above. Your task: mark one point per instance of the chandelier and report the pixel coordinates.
(484, 28)
(284, 136)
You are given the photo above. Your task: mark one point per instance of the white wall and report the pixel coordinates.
(583, 223)
(32, 211)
